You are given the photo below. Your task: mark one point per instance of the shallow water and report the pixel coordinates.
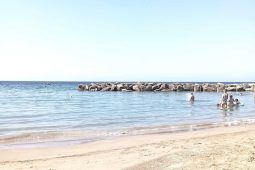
(39, 107)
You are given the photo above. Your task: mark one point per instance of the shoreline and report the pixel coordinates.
(142, 151)
(74, 137)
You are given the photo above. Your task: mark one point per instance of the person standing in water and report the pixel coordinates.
(191, 97)
(231, 101)
(224, 99)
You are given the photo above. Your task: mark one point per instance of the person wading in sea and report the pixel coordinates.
(224, 99)
(231, 101)
(191, 97)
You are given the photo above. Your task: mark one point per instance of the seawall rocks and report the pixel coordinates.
(166, 87)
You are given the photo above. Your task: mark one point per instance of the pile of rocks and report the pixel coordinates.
(165, 87)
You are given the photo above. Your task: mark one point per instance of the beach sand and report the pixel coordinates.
(217, 148)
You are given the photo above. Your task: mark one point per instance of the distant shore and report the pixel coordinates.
(222, 148)
(166, 87)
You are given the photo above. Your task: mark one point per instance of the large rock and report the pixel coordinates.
(209, 87)
(163, 87)
(249, 87)
(136, 88)
(155, 87)
(86, 87)
(99, 88)
(231, 88)
(103, 85)
(120, 87)
(237, 88)
(95, 89)
(198, 88)
(188, 87)
(232, 85)
(240, 89)
(93, 86)
(129, 87)
(142, 87)
(220, 87)
(179, 88)
(81, 87)
(113, 87)
(148, 87)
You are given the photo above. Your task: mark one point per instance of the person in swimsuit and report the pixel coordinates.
(192, 97)
(225, 96)
(224, 99)
(236, 102)
(231, 101)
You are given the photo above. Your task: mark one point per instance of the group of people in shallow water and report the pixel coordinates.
(227, 101)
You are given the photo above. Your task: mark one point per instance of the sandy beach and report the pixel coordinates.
(217, 148)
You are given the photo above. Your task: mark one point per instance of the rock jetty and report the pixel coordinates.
(166, 87)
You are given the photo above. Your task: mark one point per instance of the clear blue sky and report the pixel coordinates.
(131, 40)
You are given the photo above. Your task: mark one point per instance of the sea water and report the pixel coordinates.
(40, 108)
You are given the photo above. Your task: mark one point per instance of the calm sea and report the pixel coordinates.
(30, 111)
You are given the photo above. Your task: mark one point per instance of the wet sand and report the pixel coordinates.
(217, 148)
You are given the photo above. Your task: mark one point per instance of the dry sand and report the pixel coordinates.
(218, 148)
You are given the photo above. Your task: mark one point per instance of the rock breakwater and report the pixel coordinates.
(166, 87)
